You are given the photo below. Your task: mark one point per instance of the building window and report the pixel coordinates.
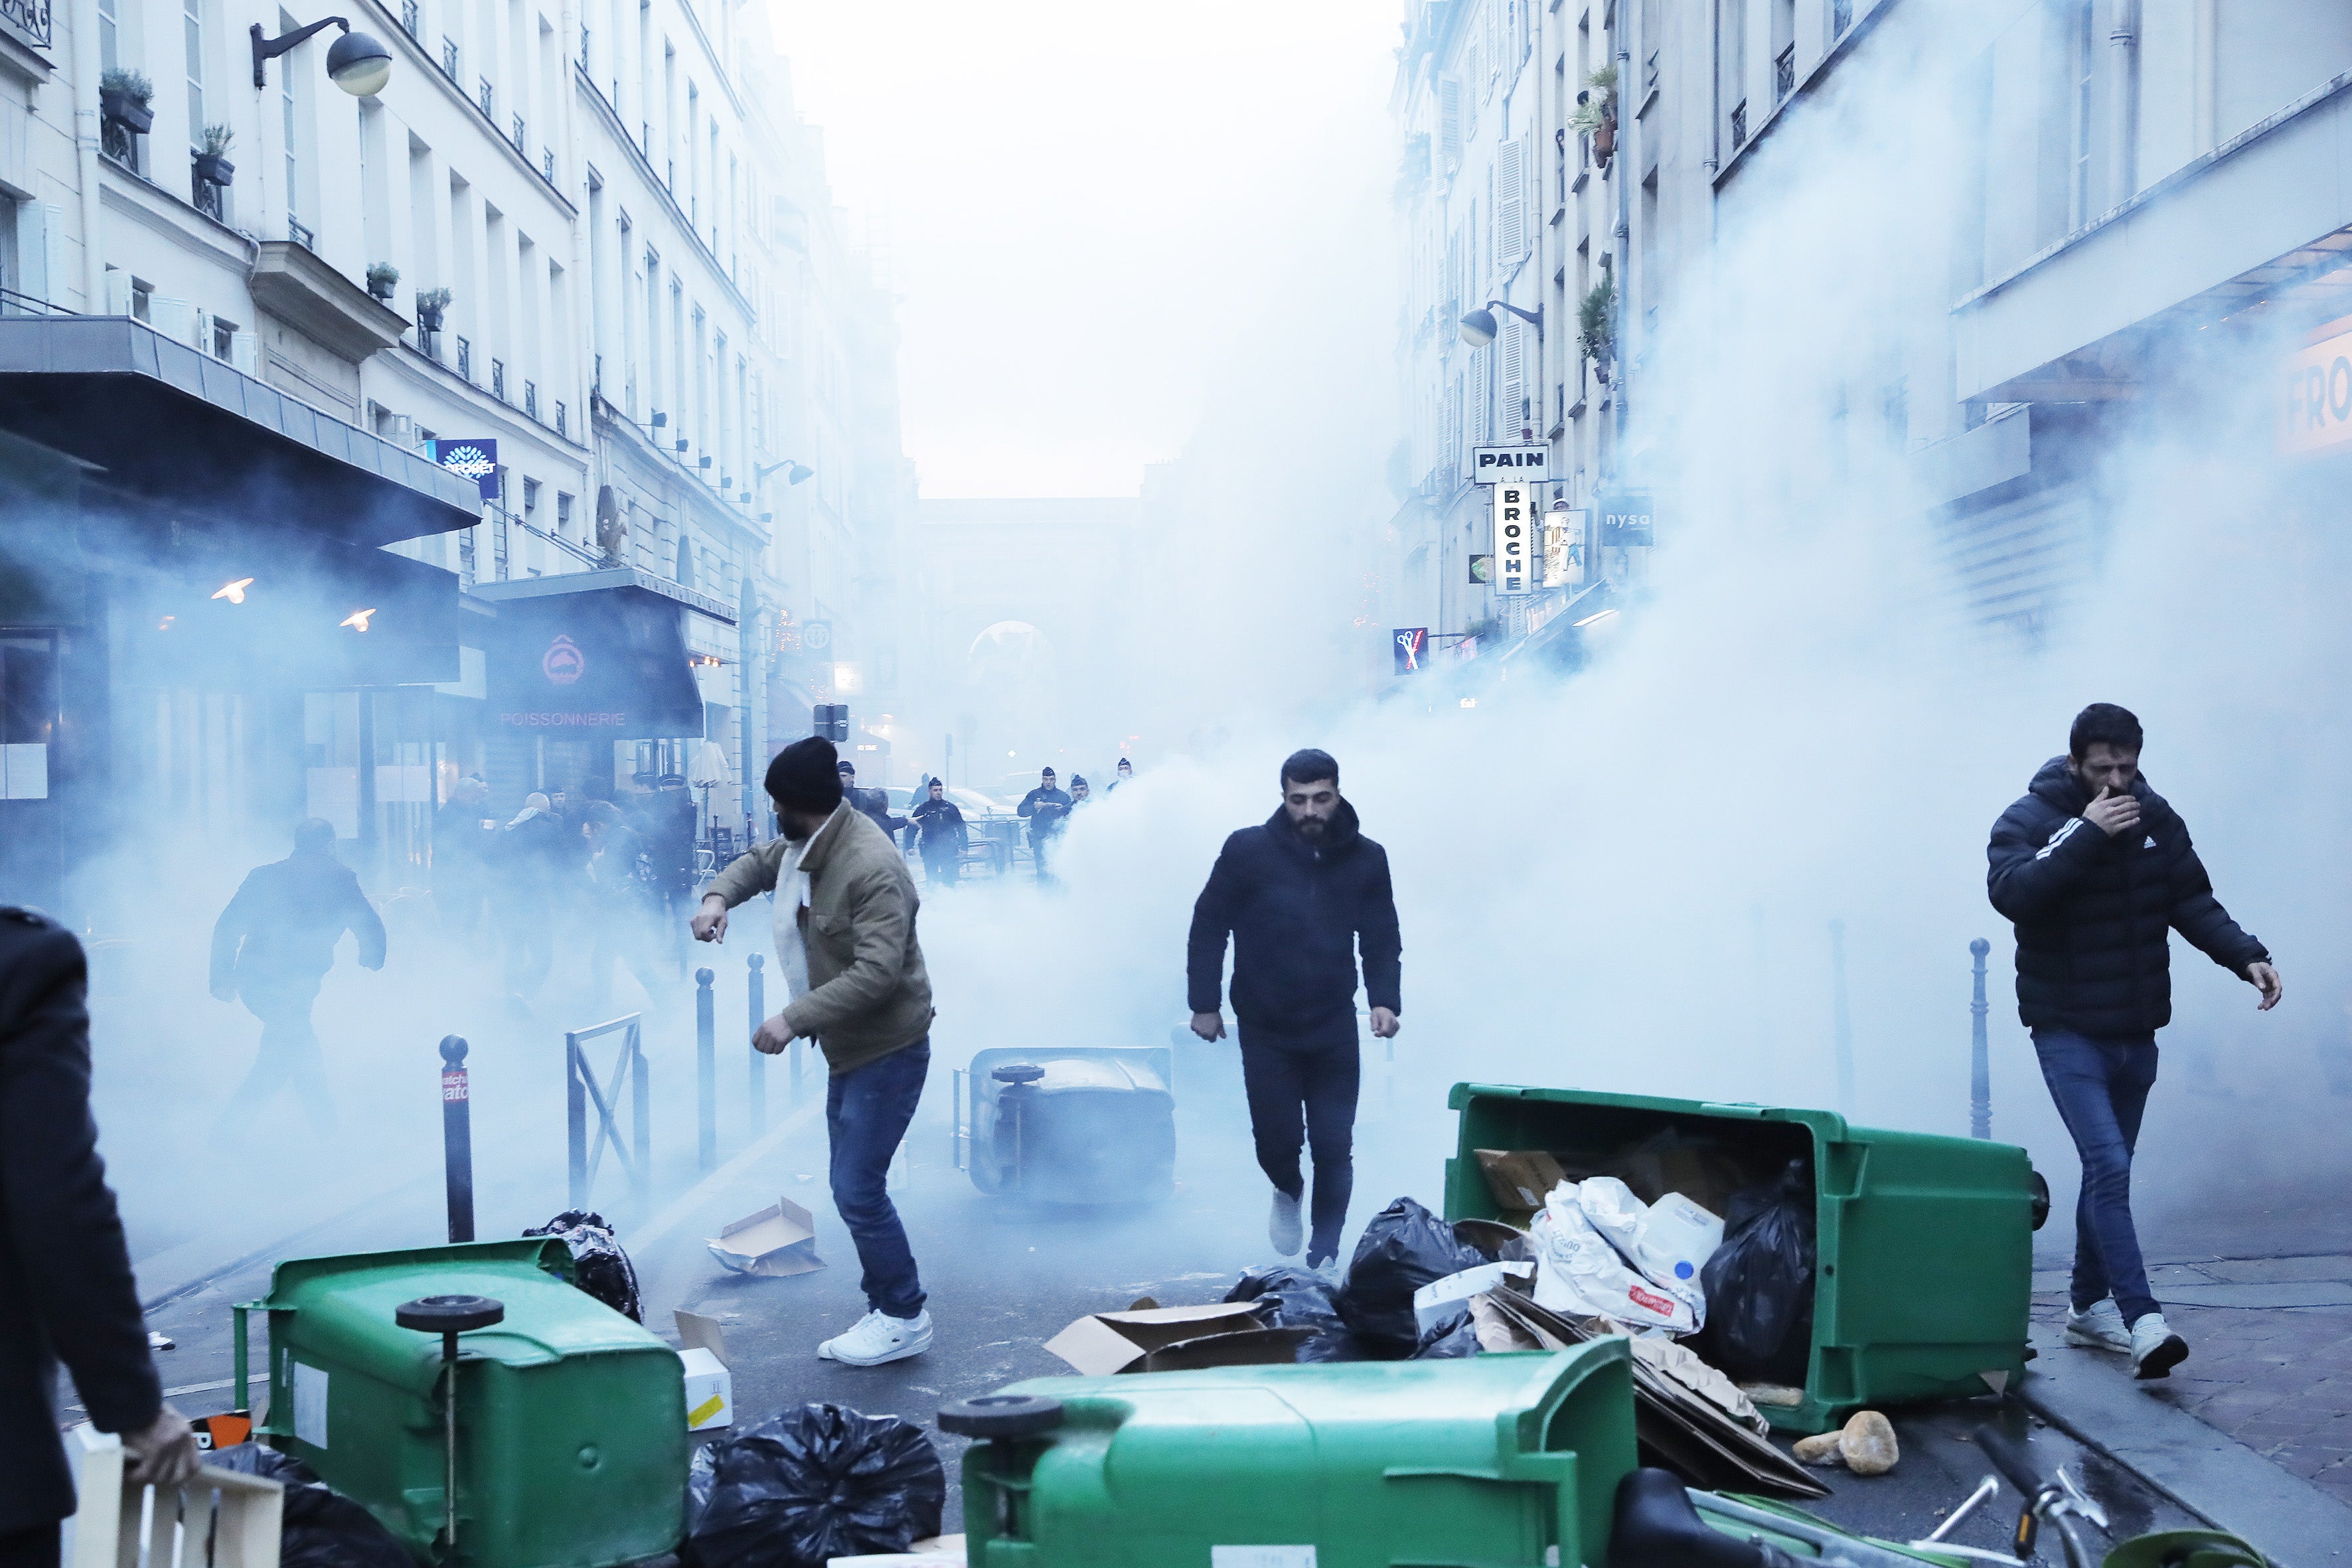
(224, 339)
(192, 27)
(2085, 61)
(286, 78)
(464, 359)
(449, 58)
(110, 34)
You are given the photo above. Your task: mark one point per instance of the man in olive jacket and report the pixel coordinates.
(846, 902)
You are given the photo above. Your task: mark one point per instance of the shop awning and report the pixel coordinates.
(182, 428)
(594, 656)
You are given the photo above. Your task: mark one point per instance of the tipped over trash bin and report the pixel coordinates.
(1078, 1126)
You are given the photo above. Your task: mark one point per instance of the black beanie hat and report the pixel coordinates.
(803, 775)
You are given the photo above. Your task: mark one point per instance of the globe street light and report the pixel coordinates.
(357, 63)
(1478, 328)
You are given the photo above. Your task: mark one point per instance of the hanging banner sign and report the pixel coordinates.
(1409, 643)
(1494, 465)
(1625, 518)
(476, 460)
(1514, 533)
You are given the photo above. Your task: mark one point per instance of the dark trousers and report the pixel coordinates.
(288, 1055)
(1302, 1094)
(33, 1548)
(2101, 1085)
(940, 866)
(867, 1113)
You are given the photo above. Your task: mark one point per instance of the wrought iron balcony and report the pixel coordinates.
(29, 17)
(1784, 73)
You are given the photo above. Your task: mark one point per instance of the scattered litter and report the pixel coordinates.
(1578, 1273)
(1779, 1395)
(1403, 1247)
(1498, 1333)
(1441, 1299)
(709, 1387)
(599, 1267)
(1683, 1364)
(1761, 1282)
(1451, 1336)
(809, 1485)
(1519, 1179)
(777, 1243)
(1298, 1298)
(318, 1528)
(1102, 1343)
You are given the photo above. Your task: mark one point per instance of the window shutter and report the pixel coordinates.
(1513, 381)
(1449, 122)
(1510, 202)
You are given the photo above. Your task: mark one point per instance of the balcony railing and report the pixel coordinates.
(449, 58)
(1840, 18)
(488, 98)
(300, 233)
(499, 379)
(30, 17)
(1739, 125)
(1784, 73)
(409, 19)
(547, 163)
(518, 137)
(464, 359)
(530, 398)
(15, 304)
(562, 423)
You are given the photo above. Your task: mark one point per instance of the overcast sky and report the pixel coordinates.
(1090, 207)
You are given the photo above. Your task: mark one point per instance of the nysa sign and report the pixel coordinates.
(1516, 465)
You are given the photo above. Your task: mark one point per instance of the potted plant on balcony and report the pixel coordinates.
(430, 303)
(212, 166)
(1596, 325)
(1596, 114)
(383, 276)
(123, 99)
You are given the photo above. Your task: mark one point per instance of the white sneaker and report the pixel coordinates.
(2155, 1350)
(1282, 1226)
(878, 1338)
(2101, 1328)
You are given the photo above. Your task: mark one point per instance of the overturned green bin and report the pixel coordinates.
(1505, 1462)
(571, 1438)
(1924, 1244)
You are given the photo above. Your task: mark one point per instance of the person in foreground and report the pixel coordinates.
(868, 1007)
(2096, 870)
(1299, 894)
(65, 1289)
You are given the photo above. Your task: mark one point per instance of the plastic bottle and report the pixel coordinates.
(1678, 1238)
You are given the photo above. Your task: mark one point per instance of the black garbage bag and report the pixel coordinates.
(1447, 1338)
(598, 1265)
(809, 1484)
(1760, 1284)
(319, 1528)
(1301, 1299)
(1404, 1248)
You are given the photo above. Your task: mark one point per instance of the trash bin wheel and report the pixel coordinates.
(2041, 1198)
(1001, 1416)
(449, 1314)
(1018, 1072)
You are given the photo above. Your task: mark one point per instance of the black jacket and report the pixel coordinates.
(66, 1291)
(876, 805)
(941, 823)
(1046, 808)
(1297, 914)
(285, 921)
(2094, 914)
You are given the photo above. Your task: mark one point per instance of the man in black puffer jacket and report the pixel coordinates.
(2096, 871)
(1299, 894)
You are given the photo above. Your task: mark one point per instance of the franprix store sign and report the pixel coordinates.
(2316, 415)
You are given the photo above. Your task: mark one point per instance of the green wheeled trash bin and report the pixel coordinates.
(571, 1435)
(1504, 1461)
(1922, 1243)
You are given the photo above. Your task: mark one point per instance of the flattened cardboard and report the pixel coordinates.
(1106, 1342)
(1250, 1347)
(1520, 1179)
(776, 1243)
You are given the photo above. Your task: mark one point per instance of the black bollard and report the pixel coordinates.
(1980, 1059)
(457, 1137)
(706, 1085)
(759, 984)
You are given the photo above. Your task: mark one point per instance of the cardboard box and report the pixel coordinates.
(1106, 1342)
(1442, 1297)
(1249, 1347)
(1520, 1179)
(118, 1523)
(709, 1387)
(777, 1242)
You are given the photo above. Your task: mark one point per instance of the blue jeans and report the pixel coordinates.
(2101, 1085)
(867, 1111)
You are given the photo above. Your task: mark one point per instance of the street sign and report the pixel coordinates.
(1408, 644)
(1482, 569)
(1492, 465)
(1515, 538)
(816, 636)
(1625, 518)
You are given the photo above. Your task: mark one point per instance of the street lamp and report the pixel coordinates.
(798, 471)
(1478, 328)
(357, 63)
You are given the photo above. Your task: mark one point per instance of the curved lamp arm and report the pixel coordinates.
(268, 49)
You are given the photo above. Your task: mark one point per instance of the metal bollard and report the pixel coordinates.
(706, 1085)
(1841, 1019)
(759, 984)
(457, 1137)
(1980, 1057)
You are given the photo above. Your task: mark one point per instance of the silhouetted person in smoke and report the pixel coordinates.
(874, 803)
(2096, 871)
(1081, 793)
(1126, 774)
(271, 948)
(533, 861)
(939, 827)
(65, 1289)
(1300, 894)
(868, 1007)
(622, 901)
(461, 857)
(1047, 807)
